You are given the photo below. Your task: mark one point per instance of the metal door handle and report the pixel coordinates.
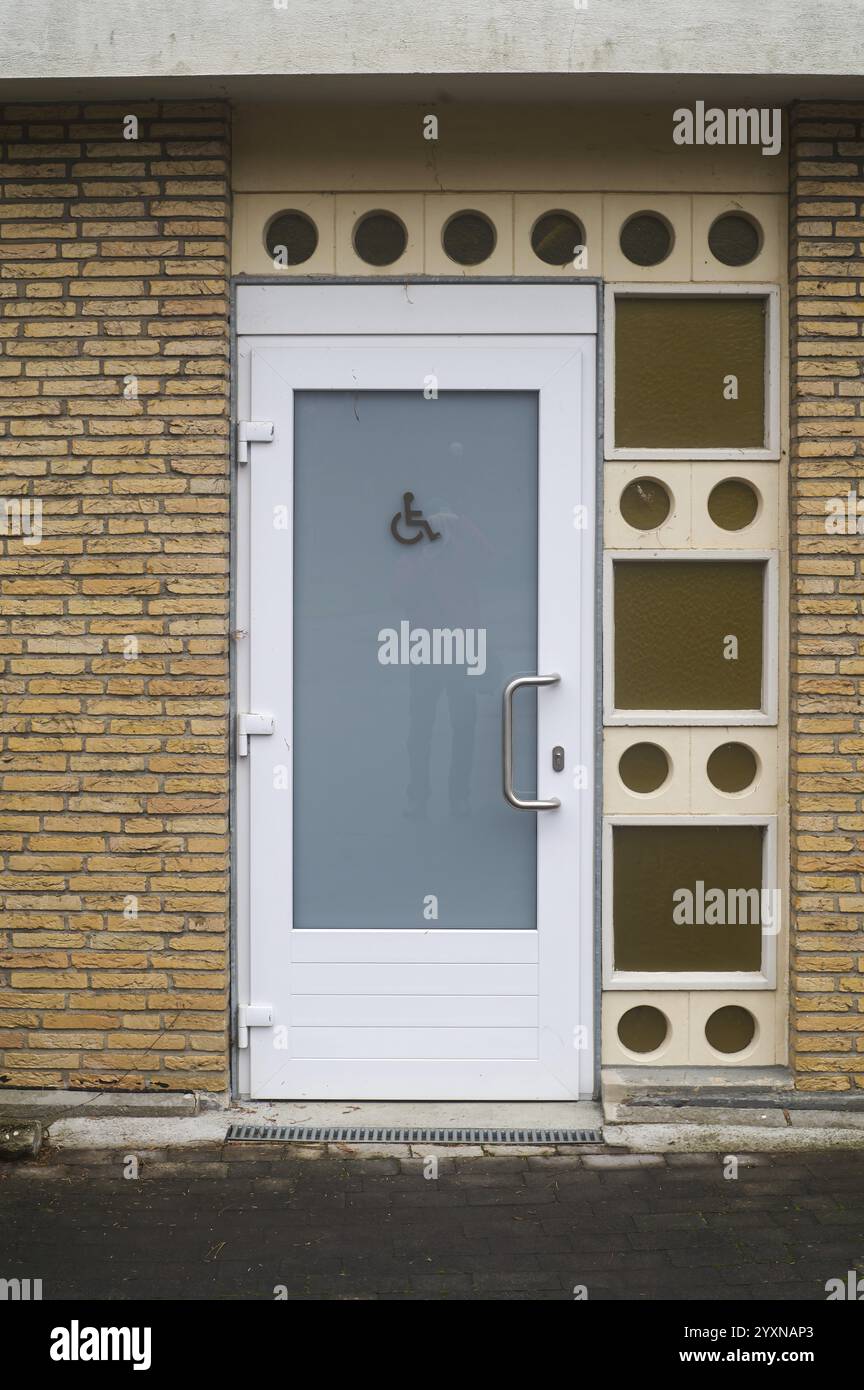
(519, 802)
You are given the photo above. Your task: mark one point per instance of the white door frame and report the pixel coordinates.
(531, 337)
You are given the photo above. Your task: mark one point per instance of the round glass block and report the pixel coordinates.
(469, 238)
(646, 238)
(643, 767)
(733, 504)
(732, 767)
(380, 238)
(645, 504)
(730, 1029)
(735, 239)
(291, 237)
(555, 237)
(642, 1029)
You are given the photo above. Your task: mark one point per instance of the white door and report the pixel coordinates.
(417, 535)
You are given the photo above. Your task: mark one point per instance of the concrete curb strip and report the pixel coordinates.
(135, 1134)
(734, 1139)
(48, 1106)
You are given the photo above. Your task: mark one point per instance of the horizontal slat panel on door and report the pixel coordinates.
(448, 1079)
(365, 978)
(414, 1042)
(429, 1010)
(503, 947)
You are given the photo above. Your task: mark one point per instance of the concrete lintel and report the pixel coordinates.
(217, 38)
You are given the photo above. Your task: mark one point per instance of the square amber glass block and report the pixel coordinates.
(674, 358)
(657, 927)
(688, 634)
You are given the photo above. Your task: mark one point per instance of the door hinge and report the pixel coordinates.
(252, 1016)
(249, 724)
(253, 432)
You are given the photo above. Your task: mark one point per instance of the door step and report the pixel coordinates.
(388, 1134)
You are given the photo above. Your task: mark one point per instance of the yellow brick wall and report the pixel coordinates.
(827, 776)
(113, 758)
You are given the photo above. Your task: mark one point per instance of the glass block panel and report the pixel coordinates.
(688, 634)
(690, 373)
(686, 897)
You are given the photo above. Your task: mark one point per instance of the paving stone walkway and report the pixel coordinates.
(237, 1222)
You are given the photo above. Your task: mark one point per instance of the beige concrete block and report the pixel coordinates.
(761, 1004)
(352, 207)
(673, 533)
(762, 532)
(672, 798)
(763, 793)
(675, 1008)
(768, 211)
(440, 208)
(252, 213)
(675, 209)
(528, 208)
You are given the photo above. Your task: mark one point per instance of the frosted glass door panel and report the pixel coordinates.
(415, 601)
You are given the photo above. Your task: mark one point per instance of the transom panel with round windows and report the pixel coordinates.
(641, 238)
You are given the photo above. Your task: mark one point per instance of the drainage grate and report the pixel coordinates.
(381, 1134)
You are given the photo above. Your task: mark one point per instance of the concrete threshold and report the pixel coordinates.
(135, 1133)
(424, 1114)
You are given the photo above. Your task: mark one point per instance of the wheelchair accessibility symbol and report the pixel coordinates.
(413, 518)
